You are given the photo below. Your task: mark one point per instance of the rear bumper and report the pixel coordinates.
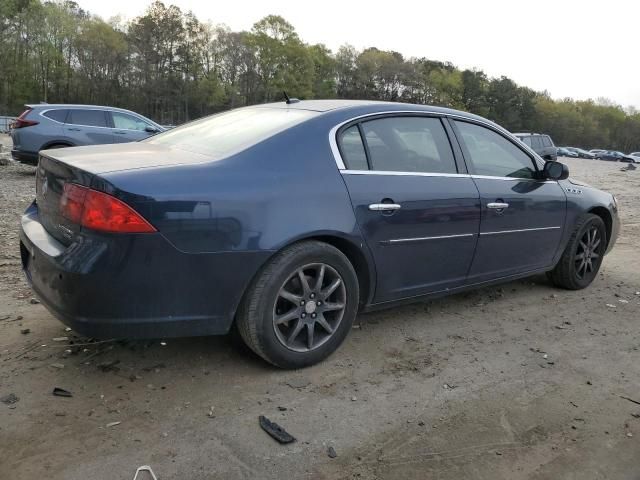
(133, 286)
(30, 158)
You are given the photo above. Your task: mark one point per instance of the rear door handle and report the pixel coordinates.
(75, 129)
(497, 205)
(120, 133)
(384, 207)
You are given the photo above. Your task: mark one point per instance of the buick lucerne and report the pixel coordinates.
(286, 220)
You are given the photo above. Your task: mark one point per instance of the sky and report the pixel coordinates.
(578, 49)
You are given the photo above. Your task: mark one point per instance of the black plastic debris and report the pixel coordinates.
(331, 452)
(275, 430)
(61, 392)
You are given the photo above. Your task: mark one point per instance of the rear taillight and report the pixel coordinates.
(100, 211)
(21, 122)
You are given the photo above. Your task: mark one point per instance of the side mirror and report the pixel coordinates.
(151, 129)
(555, 171)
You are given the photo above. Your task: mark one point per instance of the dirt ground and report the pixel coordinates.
(522, 381)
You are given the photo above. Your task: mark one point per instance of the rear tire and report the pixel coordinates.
(301, 305)
(583, 255)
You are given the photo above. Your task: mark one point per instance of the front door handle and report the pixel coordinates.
(384, 207)
(498, 205)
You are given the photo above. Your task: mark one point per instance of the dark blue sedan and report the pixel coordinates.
(289, 219)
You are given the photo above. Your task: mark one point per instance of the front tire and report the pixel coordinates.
(583, 255)
(301, 305)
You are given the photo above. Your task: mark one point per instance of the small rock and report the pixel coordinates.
(34, 301)
(25, 331)
(610, 306)
(589, 382)
(629, 434)
(545, 356)
(210, 414)
(164, 344)
(622, 300)
(421, 424)
(298, 382)
(331, 452)
(10, 399)
(282, 409)
(354, 398)
(112, 424)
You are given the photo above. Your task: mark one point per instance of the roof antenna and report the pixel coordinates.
(289, 100)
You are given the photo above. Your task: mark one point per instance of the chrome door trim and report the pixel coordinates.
(395, 241)
(499, 232)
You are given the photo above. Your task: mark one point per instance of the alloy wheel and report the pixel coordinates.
(309, 307)
(588, 252)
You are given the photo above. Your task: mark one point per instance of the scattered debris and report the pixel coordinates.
(629, 434)
(630, 399)
(275, 431)
(164, 344)
(448, 386)
(60, 339)
(282, 409)
(9, 399)
(635, 415)
(34, 301)
(25, 331)
(147, 469)
(109, 366)
(622, 300)
(354, 398)
(113, 424)
(610, 305)
(298, 382)
(59, 366)
(61, 392)
(210, 414)
(155, 367)
(421, 423)
(331, 452)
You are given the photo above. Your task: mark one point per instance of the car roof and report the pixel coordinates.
(524, 134)
(366, 106)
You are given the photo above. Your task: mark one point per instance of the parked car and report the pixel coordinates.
(596, 151)
(48, 126)
(582, 153)
(540, 143)
(635, 154)
(288, 219)
(615, 156)
(565, 152)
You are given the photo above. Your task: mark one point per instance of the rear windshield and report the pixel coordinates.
(230, 132)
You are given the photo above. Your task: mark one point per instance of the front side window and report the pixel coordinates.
(409, 144)
(128, 122)
(89, 118)
(546, 141)
(352, 149)
(493, 155)
(526, 140)
(536, 143)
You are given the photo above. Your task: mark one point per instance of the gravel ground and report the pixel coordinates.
(521, 381)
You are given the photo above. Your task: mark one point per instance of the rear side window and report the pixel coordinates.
(128, 122)
(89, 118)
(536, 142)
(352, 149)
(493, 155)
(57, 115)
(233, 131)
(526, 140)
(409, 144)
(546, 141)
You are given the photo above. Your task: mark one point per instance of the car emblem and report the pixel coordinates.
(45, 187)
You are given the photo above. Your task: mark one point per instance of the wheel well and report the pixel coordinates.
(604, 214)
(56, 143)
(357, 259)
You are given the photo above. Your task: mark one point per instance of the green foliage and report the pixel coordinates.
(170, 66)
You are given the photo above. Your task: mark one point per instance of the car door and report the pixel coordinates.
(418, 213)
(87, 127)
(128, 128)
(522, 216)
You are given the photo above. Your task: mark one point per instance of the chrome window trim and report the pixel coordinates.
(448, 175)
(42, 114)
(333, 133)
(499, 232)
(420, 239)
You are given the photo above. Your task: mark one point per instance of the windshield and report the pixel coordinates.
(230, 132)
